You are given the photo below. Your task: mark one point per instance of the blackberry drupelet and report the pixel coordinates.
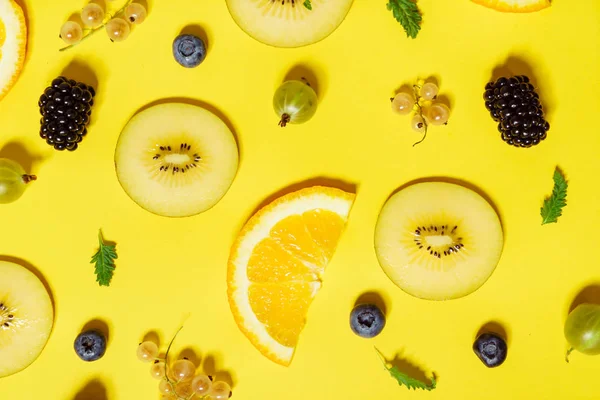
(66, 108)
(514, 104)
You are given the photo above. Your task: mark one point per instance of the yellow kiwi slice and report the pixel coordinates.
(176, 159)
(438, 240)
(26, 318)
(288, 23)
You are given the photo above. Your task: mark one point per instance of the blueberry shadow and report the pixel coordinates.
(192, 355)
(517, 65)
(36, 272)
(198, 31)
(153, 337)
(81, 72)
(306, 73)
(588, 295)
(98, 325)
(206, 106)
(318, 181)
(459, 182)
(410, 368)
(372, 298)
(93, 390)
(17, 151)
(496, 328)
(209, 366)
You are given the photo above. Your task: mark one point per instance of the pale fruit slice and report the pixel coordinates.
(288, 23)
(26, 318)
(437, 240)
(13, 42)
(277, 262)
(176, 159)
(515, 6)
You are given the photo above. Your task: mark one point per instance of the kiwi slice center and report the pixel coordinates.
(7, 317)
(174, 160)
(439, 240)
(294, 6)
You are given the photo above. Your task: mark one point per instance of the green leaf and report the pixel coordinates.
(407, 13)
(406, 380)
(104, 260)
(307, 4)
(553, 205)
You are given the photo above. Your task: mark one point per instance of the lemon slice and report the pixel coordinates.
(13, 41)
(276, 266)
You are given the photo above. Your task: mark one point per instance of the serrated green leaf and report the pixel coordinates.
(407, 13)
(104, 260)
(553, 205)
(405, 380)
(409, 382)
(307, 4)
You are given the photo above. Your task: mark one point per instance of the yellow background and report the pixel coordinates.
(172, 268)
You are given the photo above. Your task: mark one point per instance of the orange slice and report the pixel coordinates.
(13, 41)
(515, 6)
(277, 262)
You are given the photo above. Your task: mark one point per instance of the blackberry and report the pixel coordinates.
(66, 109)
(515, 106)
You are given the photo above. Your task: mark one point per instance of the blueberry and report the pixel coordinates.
(367, 320)
(189, 50)
(491, 349)
(89, 345)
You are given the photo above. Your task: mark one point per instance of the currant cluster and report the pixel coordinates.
(426, 111)
(66, 107)
(179, 380)
(94, 17)
(515, 105)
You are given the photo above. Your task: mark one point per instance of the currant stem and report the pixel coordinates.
(417, 98)
(96, 29)
(568, 353)
(28, 178)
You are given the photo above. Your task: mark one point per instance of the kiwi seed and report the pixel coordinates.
(185, 149)
(438, 251)
(6, 316)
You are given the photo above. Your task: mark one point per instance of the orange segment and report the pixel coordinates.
(276, 265)
(282, 309)
(515, 6)
(13, 41)
(325, 228)
(292, 235)
(271, 263)
(2, 33)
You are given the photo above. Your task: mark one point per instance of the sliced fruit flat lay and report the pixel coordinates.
(176, 160)
(437, 240)
(515, 6)
(26, 318)
(277, 264)
(13, 44)
(288, 23)
(239, 174)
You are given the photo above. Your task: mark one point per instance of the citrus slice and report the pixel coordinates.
(515, 6)
(13, 40)
(277, 262)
